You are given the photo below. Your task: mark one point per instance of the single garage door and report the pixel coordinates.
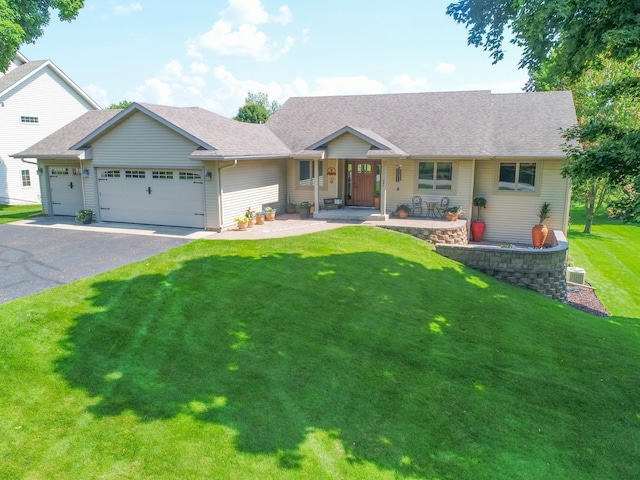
(65, 185)
(150, 196)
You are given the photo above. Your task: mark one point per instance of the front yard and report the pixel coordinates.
(353, 353)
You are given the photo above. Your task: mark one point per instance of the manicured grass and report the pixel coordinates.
(355, 353)
(610, 255)
(11, 213)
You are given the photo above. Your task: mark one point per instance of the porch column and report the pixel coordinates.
(316, 181)
(383, 187)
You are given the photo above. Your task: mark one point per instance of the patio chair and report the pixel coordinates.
(442, 208)
(416, 204)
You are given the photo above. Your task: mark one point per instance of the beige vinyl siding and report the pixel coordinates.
(297, 194)
(254, 184)
(404, 191)
(141, 141)
(90, 188)
(511, 215)
(211, 198)
(348, 146)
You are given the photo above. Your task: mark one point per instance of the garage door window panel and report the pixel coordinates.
(162, 175)
(134, 174)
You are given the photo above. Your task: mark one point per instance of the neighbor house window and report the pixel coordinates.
(517, 176)
(435, 175)
(25, 119)
(26, 178)
(307, 173)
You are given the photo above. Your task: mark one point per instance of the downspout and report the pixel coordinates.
(220, 193)
(316, 181)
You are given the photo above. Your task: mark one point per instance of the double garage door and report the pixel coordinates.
(152, 196)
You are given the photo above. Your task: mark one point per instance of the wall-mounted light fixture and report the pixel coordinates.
(85, 172)
(40, 170)
(208, 176)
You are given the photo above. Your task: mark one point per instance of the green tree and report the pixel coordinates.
(563, 39)
(599, 115)
(23, 21)
(121, 105)
(576, 31)
(257, 108)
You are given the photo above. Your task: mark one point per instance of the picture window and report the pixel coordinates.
(435, 175)
(517, 176)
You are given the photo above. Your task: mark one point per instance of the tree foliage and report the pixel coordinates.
(121, 105)
(257, 108)
(23, 21)
(576, 31)
(591, 47)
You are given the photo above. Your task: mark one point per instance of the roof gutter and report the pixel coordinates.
(222, 158)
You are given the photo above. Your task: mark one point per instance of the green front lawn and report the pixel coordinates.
(610, 255)
(354, 353)
(11, 213)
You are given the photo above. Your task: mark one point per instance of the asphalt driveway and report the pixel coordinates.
(35, 259)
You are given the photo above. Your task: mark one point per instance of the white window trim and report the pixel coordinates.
(312, 185)
(537, 186)
(434, 191)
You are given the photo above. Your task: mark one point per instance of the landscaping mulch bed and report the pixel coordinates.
(583, 297)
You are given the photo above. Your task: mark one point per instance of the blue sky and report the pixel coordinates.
(211, 53)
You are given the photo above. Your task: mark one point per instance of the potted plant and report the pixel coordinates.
(291, 207)
(453, 213)
(270, 214)
(478, 226)
(305, 209)
(251, 217)
(259, 218)
(243, 222)
(376, 200)
(84, 216)
(540, 231)
(403, 210)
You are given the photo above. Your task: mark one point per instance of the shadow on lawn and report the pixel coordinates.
(367, 347)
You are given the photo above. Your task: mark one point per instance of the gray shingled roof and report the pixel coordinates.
(228, 137)
(17, 74)
(475, 123)
(59, 142)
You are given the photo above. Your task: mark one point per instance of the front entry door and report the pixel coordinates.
(362, 177)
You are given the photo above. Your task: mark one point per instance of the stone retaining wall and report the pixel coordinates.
(456, 234)
(542, 270)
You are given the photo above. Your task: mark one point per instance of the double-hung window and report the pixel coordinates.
(26, 178)
(306, 173)
(517, 176)
(435, 175)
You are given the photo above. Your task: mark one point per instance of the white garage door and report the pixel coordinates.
(156, 197)
(65, 184)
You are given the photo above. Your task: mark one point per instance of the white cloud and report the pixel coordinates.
(99, 95)
(127, 9)
(404, 83)
(236, 33)
(154, 90)
(445, 68)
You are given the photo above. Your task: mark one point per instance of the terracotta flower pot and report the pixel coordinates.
(477, 230)
(452, 217)
(403, 213)
(539, 235)
(260, 220)
(251, 223)
(243, 225)
(271, 216)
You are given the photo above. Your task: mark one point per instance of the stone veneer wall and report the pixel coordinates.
(456, 234)
(542, 270)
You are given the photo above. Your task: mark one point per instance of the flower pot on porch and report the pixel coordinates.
(259, 219)
(242, 225)
(376, 203)
(452, 217)
(539, 235)
(477, 230)
(304, 212)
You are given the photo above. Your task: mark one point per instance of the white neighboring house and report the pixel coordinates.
(36, 99)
